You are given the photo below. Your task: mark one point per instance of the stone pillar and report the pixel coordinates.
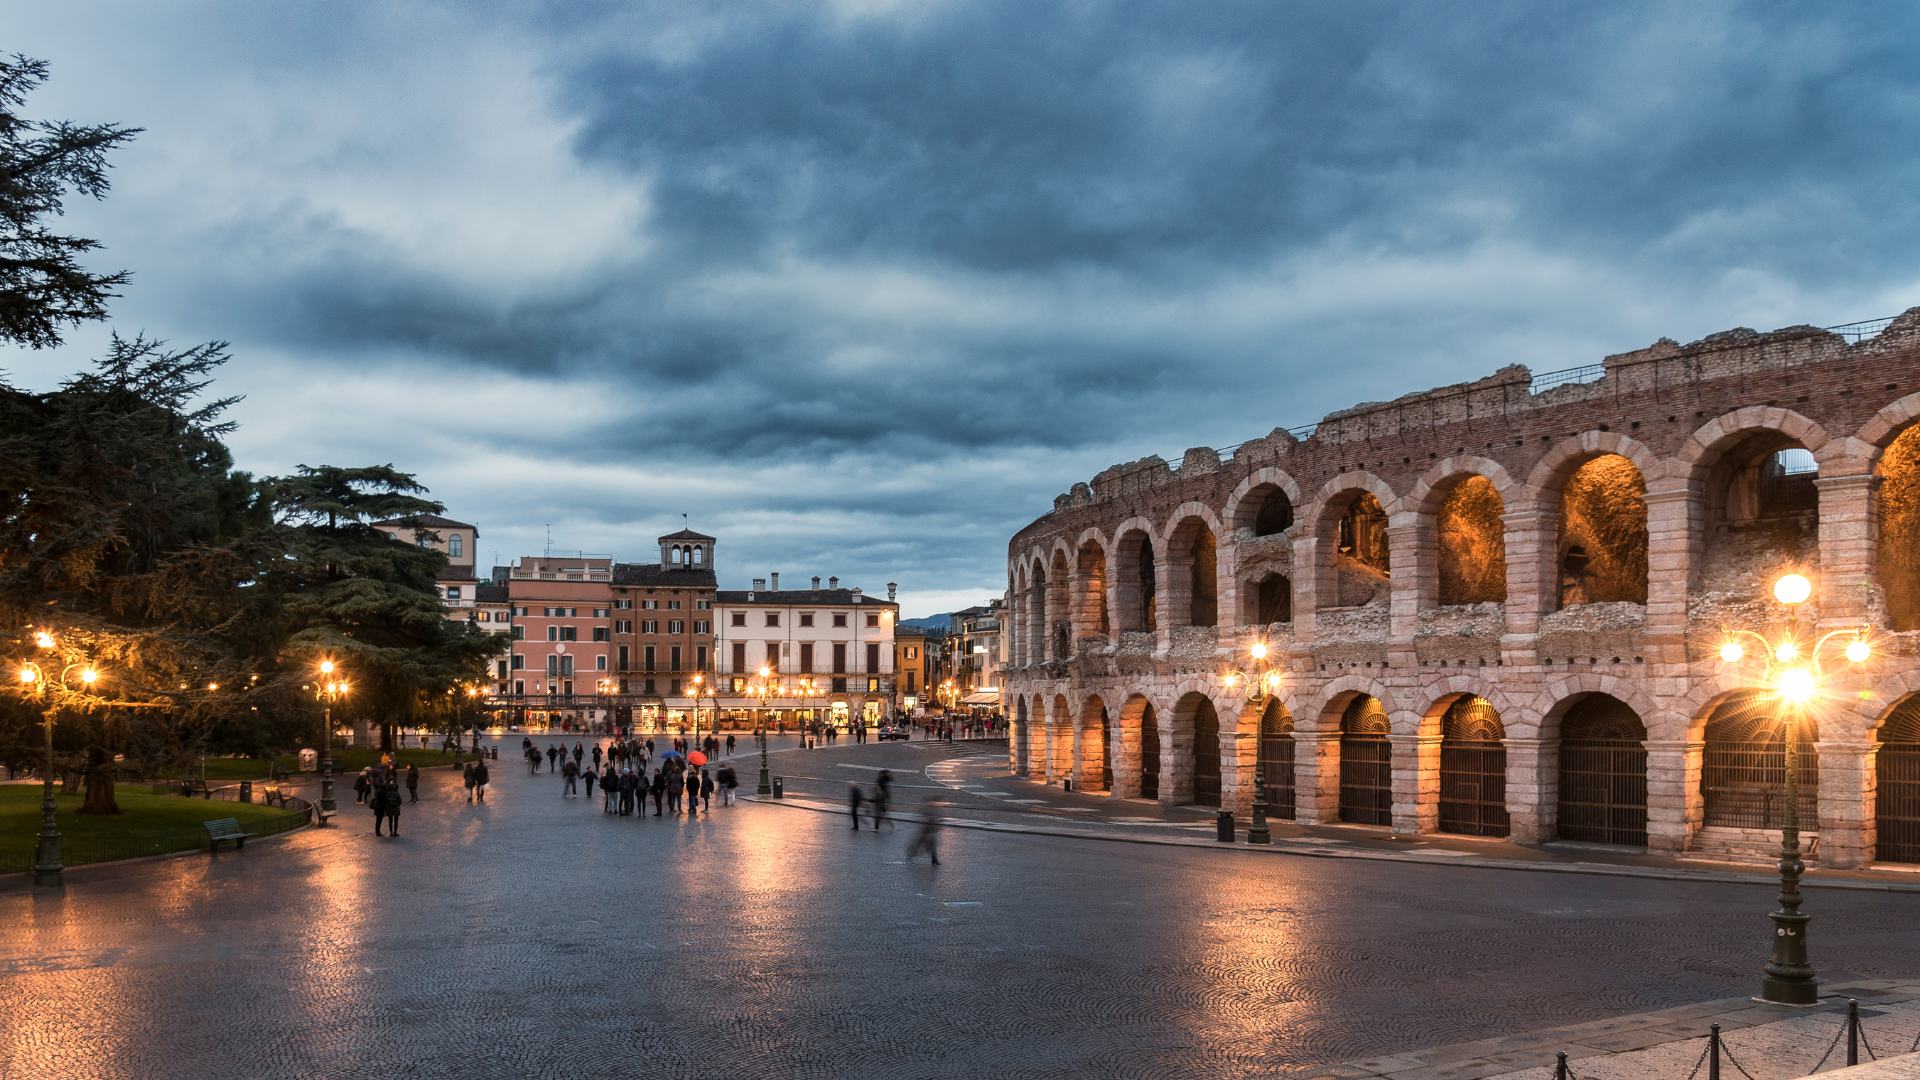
(1316, 777)
(1674, 805)
(1065, 735)
(1672, 549)
(1306, 587)
(1126, 757)
(1849, 515)
(1848, 786)
(1533, 580)
(1232, 610)
(1533, 789)
(1416, 783)
(1163, 602)
(1410, 551)
(1176, 758)
(1239, 753)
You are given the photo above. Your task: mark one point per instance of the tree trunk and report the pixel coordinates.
(70, 780)
(100, 798)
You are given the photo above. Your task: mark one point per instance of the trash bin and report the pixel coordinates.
(493, 752)
(1223, 827)
(1066, 783)
(779, 787)
(246, 791)
(309, 760)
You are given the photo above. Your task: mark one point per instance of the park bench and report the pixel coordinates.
(275, 795)
(190, 788)
(225, 829)
(320, 816)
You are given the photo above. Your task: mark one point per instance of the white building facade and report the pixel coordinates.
(830, 651)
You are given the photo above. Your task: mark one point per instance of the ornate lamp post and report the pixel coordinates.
(1792, 673)
(1261, 679)
(47, 867)
(329, 690)
(764, 691)
(949, 696)
(703, 687)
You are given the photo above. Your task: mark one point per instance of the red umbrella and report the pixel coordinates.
(696, 759)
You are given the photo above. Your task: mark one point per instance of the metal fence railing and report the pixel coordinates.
(1717, 1059)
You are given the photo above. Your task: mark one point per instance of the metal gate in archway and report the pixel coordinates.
(1743, 770)
(1206, 755)
(1473, 769)
(1896, 802)
(1106, 751)
(1276, 762)
(1366, 764)
(1149, 755)
(1603, 774)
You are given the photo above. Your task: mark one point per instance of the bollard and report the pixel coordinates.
(1223, 827)
(1853, 1031)
(779, 787)
(1560, 1067)
(1713, 1054)
(246, 791)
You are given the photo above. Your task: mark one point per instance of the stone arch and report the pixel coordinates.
(1196, 738)
(1138, 771)
(1550, 473)
(1191, 545)
(1601, 552)
(1134, 560)
(1093, 753)
(1336, 695)
(1896, 782)
(1464, 776)
(1551, 704)
(1038, 738)
(1263, 504)
(1897, 515)
(1061, 733)
(1593, 777)
(1366, 761)
(1020, 745)
(1468, 535)
(1038, 606)
(1266, 597)
(1353, 563)
(1060, 600)
(1742, 772)
(1090, 615)
(1890, 420)
(1453, 687)
(1275, 757)
(1752, 507)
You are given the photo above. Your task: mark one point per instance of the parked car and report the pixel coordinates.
(893, 731)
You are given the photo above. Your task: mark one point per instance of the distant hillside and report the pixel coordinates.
(942, 623)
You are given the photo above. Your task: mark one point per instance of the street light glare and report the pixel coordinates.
(1792, 589)
(29, 676)
(1858, 651)
(326, 667)
(1259, 650)
(42, 639)
(1732, 653)
(1786, 652)
(1796, 685)
(89, 676)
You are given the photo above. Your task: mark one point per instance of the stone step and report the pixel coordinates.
(1750, 845)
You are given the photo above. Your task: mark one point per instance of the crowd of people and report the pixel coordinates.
(378, 788)
(679, 779)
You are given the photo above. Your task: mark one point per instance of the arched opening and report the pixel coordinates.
(674, 557)
(1206, 752)
(1360, 560)
(1897, 570)
(699, 556)
(1366, 763)
(1603, 773)
(1473, 547)
(1096, 754)
(1896, 799)
(1021, 726)
(1149, 754)
(1276, 760)
(1194, 573)
(1060, 607)
(1038, 601)
(1092, 578)
(1265, 511)
(1060, 740)
(1134, 580)
(1473, 769)
(1603, 534)
(1269, 599)
(1743, 771)
(1762, 515)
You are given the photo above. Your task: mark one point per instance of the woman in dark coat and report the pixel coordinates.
(392, 792)
(693, 791)
(378, 802)
(659, 789)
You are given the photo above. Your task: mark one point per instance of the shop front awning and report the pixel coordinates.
(984, 697)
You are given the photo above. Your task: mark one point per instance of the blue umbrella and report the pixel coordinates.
(665, 754)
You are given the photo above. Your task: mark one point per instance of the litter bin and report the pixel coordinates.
(1066, 783)
(493, 752)
(309, 760)
(779, 787)
(1223, 827)
(246, 791)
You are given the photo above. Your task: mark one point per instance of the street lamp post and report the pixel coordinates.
(1263, 679)
(949, 695)
(1792, 674)
(329, 690)
(763, 690)
(47, 867)
(704, 687)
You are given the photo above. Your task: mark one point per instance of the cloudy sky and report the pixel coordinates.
(859, 286)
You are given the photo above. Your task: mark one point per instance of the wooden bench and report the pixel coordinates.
(225, 829)
(275, 795)
(320, 816)
(190, 788)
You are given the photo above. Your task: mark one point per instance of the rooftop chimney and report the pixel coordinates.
(833, 583)
(776, 581)
(893, 589)
(816, 583)
(759, 584)
(856, 594)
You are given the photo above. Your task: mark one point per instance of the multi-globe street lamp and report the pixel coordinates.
(949, 696)
(703, 687)
(329, 690)
(1261, 679)
(764, 690)
(1792, 673)
(47, 867)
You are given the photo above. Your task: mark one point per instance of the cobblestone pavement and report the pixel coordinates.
(536, 937)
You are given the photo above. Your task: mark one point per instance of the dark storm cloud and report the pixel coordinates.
(862, 285)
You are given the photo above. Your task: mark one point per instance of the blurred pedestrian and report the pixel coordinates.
(882, 792)
(480, 778)
(854, 798)
(729, 744)
(413, 782)
(927, 837)
(609, 789)
(467, 774)
(363, 784)
(659, 789)
(706, 791)
(377, 802)
(570, 773)
(728, 782)
(393, 809)
(553, 753)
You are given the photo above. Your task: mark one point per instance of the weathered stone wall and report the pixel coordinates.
(1662, 420)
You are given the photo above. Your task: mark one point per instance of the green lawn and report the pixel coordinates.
(150, 825)
(346, 761)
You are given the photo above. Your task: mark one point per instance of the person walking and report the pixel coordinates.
(413, 782)
(673, 786)
(706, 791)
(925, 840)
(362, 785)
(377, 802)
(854, 798)
(596, 757)
(570, 773)
(480, 777)
(728, 782)
(393, 809)
(882, 792)
(533, 761)
(729, 744)
(578, 752)
(467, 773)
(553, 753)
(589, 776)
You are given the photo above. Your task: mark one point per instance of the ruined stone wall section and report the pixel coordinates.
(1668, 408)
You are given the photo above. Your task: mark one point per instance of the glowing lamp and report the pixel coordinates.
(1273, 680)
(1732, 653)
(1786, 651)
(1858, 651)
(1259, 650)
(1231, 679)
(28, 676)
(213, 686)
(42, 639)
(89, 676)
(1792, 589)
(1796, 685)
(326, 667)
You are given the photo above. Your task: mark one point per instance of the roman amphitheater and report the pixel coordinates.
(1499, 608)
